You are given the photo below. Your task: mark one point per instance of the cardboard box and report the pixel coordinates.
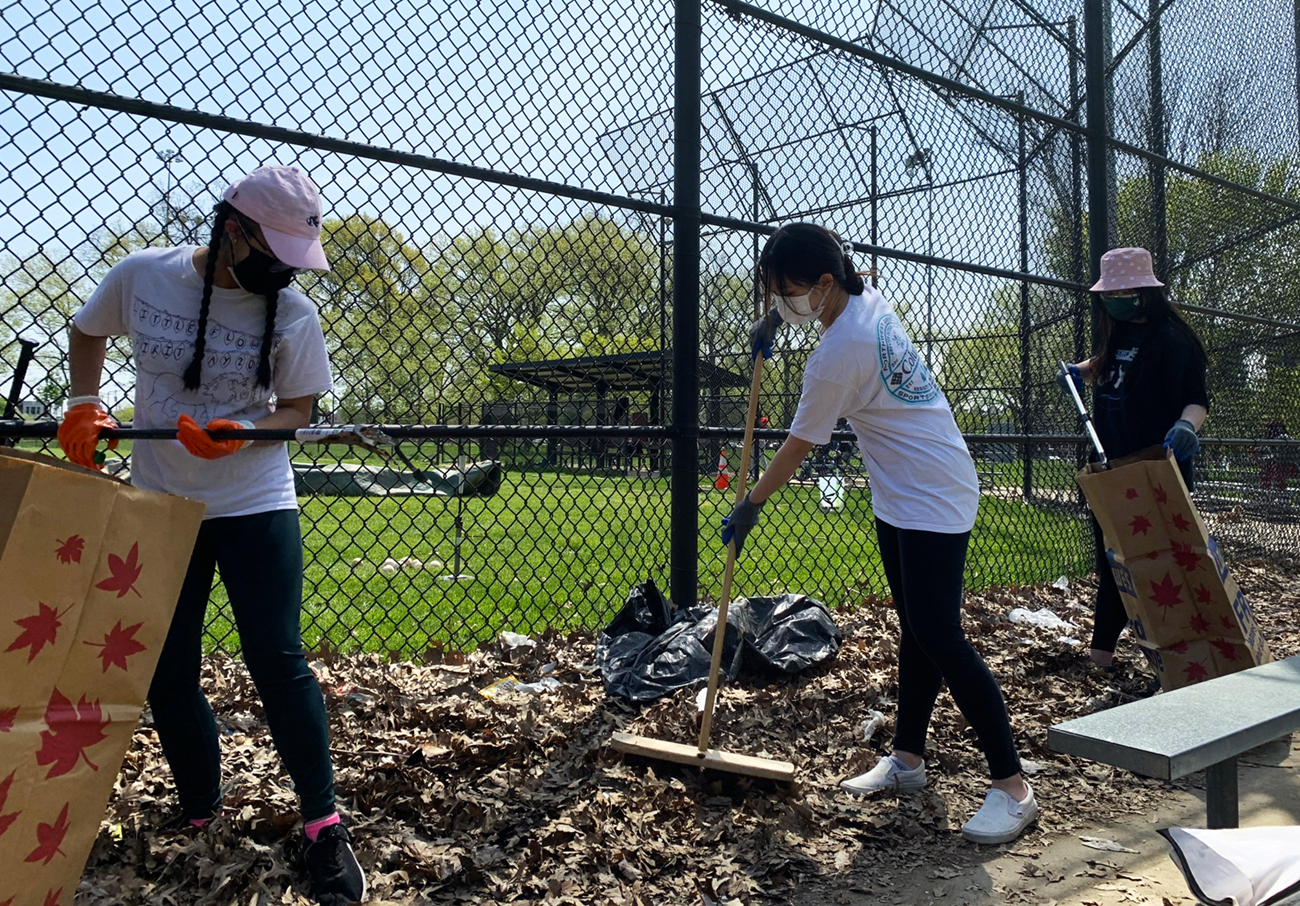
(90, 569)
(1181, 601)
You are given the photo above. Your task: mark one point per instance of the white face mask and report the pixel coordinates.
(796, 309)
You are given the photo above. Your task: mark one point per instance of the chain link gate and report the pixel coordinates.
(512, 191)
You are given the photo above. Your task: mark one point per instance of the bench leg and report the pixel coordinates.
(1221, 794)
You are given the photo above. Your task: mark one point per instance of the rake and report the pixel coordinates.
(700, 755)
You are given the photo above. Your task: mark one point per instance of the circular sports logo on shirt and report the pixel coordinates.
(901, 369)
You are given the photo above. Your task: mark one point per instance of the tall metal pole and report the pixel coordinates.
(758, 290)
(167, 155)
(684, 512)
(1096, 54)
(1026, 324)
(875, 220)
(1159, 221)
(1076, 194)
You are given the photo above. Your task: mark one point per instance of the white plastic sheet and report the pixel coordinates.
(1246, 866)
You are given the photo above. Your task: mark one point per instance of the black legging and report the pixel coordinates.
(1109, 617)
(260, 557)
(924, 570)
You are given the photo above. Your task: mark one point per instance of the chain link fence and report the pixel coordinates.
(543, 242)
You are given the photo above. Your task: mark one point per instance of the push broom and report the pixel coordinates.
(701, 755)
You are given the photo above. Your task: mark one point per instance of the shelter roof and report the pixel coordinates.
(624, 372)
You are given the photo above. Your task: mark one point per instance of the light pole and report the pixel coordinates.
(167, 155)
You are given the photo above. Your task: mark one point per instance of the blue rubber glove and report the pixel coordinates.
(737, 526)
(763, 334)
(1182, 440)
(1074, 375)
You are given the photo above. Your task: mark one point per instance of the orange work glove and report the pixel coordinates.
(79, 431)
(197, 441)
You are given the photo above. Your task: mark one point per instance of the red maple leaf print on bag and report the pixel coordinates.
(6, 820)
(1185, 557)
(49, 838)
(71, 731)
(1166, 593)
(39, 630)
(1141, 525)
(118, 645)
(70, 551)
(1196, 672)
(125, 572)
(7, 723)
(52, 898)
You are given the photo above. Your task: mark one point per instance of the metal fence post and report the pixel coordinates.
(1159, 220)
(683, 584)
(1096, 51)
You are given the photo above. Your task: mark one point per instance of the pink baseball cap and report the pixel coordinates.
(284, 202)
(1127, 268)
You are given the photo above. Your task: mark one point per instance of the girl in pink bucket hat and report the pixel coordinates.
(1148, 379)
(217, 332)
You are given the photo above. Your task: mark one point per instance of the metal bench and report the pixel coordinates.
(1205, 726)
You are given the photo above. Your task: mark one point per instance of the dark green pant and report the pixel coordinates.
(260, 557)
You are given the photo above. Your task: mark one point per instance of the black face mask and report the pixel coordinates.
(261, 274)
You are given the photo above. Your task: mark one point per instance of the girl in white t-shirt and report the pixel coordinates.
(220, 340)
(924, 494)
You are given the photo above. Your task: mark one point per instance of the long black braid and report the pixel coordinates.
(264, 363)
(194, 371)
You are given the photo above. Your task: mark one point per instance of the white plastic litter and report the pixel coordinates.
(874, 722)
(1043, 618)
(1101, 843)
(1062, 583)
(1244, 866)
(831, 488)
(515, 640)
(391, 566)
(700, 697)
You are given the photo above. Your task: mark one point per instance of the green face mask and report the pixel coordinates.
(1123, 308)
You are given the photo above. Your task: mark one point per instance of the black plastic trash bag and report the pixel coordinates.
(652, 648)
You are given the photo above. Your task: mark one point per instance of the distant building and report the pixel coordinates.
(31, 408)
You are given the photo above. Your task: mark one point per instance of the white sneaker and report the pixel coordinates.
(888, 774)
(1001, 818)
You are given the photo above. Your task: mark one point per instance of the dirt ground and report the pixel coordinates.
(457, 798)
(1044, 868)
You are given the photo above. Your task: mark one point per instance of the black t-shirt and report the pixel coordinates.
(1154, 372)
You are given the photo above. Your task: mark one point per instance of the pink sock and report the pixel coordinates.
(313, 828)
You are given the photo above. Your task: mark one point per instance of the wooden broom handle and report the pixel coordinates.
(720, 629)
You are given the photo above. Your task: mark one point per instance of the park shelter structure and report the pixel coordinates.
(627, 389)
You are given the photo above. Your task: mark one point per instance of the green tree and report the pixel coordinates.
(384, 327)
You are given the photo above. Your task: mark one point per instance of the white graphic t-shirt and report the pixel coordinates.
(153, 296)
(866, 370)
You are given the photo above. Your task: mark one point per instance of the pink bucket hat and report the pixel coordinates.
(284, 202)
(1128, 268)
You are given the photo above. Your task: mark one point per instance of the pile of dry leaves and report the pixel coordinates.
(456, 797)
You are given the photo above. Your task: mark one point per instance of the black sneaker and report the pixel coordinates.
(336, 876)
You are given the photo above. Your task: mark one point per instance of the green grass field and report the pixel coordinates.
(561, 550)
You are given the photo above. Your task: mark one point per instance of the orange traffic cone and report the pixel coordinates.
(723, 481)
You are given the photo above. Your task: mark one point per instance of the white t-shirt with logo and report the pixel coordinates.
(866, 370)
(153, 296)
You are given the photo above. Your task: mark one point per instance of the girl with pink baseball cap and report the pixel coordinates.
(220, 339)
(1148, 378)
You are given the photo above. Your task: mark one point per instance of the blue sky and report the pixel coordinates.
(573, 93)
